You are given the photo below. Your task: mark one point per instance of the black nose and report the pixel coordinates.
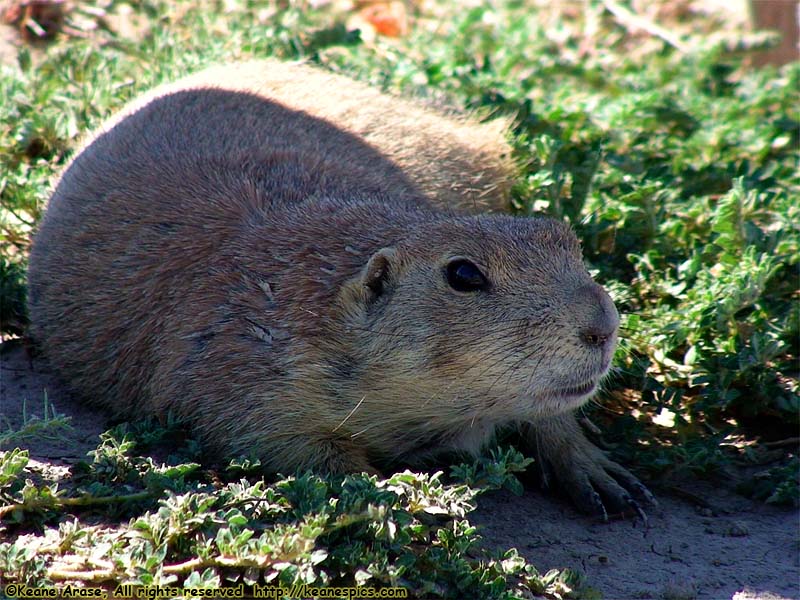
(600, 316)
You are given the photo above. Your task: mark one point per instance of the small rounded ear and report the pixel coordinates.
(373, 281)
(376, 275)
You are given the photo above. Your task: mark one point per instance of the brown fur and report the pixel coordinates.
(261, 249)
(474, 166)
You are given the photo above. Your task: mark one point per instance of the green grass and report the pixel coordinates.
(49, 426)
(678, 171)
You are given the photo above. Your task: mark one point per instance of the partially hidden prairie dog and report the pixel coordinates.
(283, 257)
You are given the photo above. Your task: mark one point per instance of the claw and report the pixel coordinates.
(600, 508)
(639, 512)
(645, 493)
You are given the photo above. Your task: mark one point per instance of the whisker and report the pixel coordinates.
(350, 414)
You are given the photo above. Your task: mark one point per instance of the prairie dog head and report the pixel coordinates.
(490, 317)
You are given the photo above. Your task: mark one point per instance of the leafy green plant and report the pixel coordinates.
(344, 531)
(777, 485)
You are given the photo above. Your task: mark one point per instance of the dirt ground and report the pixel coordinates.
(728, 548)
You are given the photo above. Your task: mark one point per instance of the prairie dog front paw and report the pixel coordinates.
(595, 484)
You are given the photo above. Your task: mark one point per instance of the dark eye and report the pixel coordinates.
(464, 276)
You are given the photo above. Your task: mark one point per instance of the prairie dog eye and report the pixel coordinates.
(464, 276)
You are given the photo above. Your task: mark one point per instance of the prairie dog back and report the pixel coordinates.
(455, 160)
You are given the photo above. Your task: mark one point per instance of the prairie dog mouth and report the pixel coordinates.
(576, 391)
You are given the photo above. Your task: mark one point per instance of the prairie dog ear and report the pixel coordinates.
(376, 275)
(372, 282)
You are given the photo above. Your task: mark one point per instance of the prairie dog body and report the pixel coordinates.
(285, 258)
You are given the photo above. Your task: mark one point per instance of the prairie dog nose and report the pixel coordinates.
(600, 317)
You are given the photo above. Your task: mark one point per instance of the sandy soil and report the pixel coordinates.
(728, 548)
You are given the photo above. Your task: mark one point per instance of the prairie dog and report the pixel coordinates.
(285, 258)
